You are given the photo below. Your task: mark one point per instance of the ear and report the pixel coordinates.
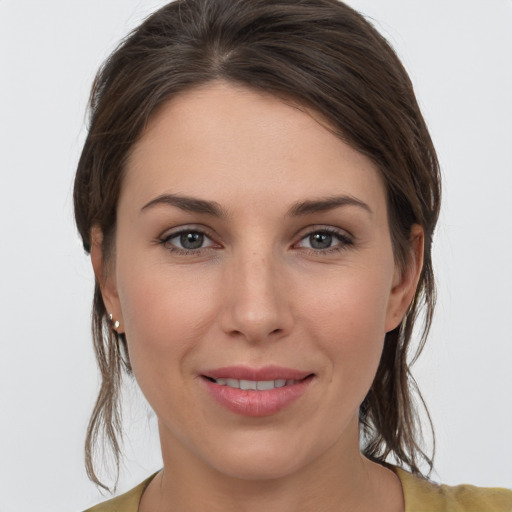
(105, 277)
(406, 280)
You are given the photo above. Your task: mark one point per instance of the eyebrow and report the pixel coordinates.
(188, 204)
(192, 204)
(326, 204)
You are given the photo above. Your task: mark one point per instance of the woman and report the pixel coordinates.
(258, 192)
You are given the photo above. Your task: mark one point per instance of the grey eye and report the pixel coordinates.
(187, 240)
(320, 240)
(191, 240)
(325, 240)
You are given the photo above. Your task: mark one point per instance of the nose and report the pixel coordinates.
(256, 304)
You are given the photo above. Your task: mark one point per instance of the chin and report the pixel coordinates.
(268, 467)
(263, 455)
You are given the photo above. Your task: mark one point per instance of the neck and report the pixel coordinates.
(339, 480)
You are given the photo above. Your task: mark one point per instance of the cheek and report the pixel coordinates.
(165, 315)
(349, 324)
(351, 306)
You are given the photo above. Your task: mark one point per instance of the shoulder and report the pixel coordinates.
(424, 496)
(127, 502)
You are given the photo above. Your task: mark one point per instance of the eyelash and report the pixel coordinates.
(165, 242)
(344, 242)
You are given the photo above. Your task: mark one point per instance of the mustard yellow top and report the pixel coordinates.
(420, 496)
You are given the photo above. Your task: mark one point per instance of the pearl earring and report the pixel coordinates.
(114, 323)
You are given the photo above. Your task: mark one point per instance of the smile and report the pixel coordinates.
(255, 385)
(256, 392)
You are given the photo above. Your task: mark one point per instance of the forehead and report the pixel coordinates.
(227, 142)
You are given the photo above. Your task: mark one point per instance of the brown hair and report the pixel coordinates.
(324, 55)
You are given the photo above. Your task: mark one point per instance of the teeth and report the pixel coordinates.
(260, 385)
(248, 384)
(265, 384)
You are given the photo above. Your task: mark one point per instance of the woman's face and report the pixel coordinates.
(252, 245)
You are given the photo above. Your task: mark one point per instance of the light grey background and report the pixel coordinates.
(458, 53)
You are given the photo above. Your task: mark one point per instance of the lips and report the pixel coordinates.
(255, 385)
(265, 373)
(256, 391)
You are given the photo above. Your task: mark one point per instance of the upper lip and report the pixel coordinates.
(264, 373)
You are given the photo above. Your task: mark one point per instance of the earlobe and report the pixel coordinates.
(406, 280)
(105, 278)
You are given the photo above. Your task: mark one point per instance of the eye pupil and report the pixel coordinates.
(320, 240)
(191, 240)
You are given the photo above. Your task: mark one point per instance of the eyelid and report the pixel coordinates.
(343, 236)
(326, 228)
(169, 234)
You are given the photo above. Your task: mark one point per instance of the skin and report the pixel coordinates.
(256, 293)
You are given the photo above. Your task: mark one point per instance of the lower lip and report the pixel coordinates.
(257, 403)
